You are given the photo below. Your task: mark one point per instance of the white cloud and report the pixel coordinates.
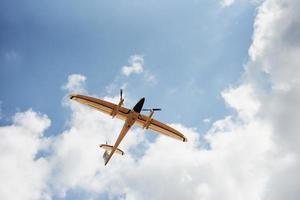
(231, 169)
(278, 21)
(75, 83)
(227, 2)
(243, 100)
(206, 120)
(167, 169)
(23, 175)
(77, 157)
(275, 50)
(136, 65)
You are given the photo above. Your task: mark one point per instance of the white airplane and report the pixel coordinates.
(130, 116)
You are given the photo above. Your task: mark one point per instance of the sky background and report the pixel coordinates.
(192, 49)
(225, 73)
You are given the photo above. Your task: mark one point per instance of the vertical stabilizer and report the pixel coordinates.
(105, 156)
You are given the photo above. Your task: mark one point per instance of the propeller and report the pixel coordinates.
(121, 94)
(153, 109)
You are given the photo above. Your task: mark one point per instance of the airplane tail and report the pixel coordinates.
(107, 152)
(105, 156)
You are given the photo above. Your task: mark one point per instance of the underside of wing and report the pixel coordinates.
(101, 105)
(159, 127)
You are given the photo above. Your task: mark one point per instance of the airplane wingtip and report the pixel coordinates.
(71, 96)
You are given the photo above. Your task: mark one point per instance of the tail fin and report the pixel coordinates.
(105, 156)
(108, 149)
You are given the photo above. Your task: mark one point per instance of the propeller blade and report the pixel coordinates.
(154, 109)
(121, 94)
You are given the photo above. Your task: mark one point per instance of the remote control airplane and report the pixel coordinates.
(130, 116)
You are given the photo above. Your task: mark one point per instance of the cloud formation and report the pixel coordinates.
(253, 154)
(136, 65)
(75, 83)
(23, 174)
(226, 3)
(275, 51)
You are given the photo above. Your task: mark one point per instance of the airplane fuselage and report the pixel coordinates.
(131, 118)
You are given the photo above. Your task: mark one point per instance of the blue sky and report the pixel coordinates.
(225, 73)
(185, 44)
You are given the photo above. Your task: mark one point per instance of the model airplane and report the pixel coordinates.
(130, 116)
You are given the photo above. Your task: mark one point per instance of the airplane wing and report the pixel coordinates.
(101, 105)
(160, 127)
(143, 120)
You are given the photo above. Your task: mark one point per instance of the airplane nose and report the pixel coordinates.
(138, 107)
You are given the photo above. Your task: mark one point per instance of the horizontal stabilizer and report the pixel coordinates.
(108, 148)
